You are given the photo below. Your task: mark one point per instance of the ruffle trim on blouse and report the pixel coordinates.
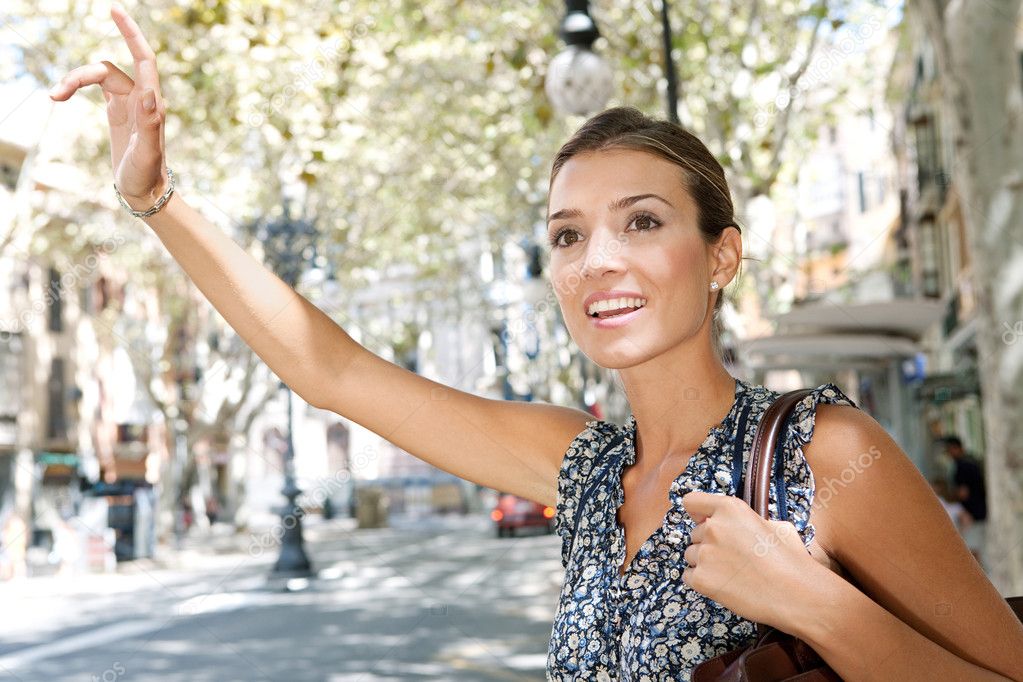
(799, 498)
(582, 459)
(805, 413)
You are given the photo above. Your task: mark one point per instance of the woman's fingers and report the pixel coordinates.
(692, 556)
(114, 82)
(139, 172)
(105, 74)
(148, 126)
(145, 58)
(134, 110)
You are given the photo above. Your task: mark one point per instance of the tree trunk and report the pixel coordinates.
(979, 66)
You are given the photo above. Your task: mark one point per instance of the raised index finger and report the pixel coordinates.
(145, 58)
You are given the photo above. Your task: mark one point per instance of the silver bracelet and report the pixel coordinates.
(159, 202)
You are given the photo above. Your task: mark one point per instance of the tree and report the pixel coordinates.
(418, 128)
(416, 125)
(191, 365)
(978, 61)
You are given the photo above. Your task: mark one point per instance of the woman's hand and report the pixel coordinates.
(135, 113)
(744, 562)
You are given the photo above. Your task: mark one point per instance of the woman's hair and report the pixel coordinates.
(701, 174)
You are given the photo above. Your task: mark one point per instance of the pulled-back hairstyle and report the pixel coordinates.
(701, 174)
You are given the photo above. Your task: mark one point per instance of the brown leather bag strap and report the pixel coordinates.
(757, 486)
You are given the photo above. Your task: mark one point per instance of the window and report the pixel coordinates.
(927, 146)
(11, 380)
(929, 257)
(861, 185)
(56, 423)
(53, 295)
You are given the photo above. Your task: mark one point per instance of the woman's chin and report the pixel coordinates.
(618, 354)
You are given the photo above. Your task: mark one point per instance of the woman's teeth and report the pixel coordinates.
(614, 306)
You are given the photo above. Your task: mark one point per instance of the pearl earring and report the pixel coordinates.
(714, 286)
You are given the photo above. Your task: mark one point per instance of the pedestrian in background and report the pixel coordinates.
(956, 511)
(968, 489)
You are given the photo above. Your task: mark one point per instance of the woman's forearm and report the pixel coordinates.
(292, 336)
(862, 641)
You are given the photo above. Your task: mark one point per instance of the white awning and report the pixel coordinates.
(899, 317)
(795, 349)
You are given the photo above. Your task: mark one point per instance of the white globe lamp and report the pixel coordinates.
(578, 80)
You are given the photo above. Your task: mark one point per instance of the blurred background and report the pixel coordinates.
(169, 510)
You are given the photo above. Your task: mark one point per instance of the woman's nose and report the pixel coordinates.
(604, 252)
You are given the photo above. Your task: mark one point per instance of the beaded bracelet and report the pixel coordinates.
(159, 202)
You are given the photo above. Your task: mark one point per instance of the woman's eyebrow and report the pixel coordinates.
(615, 205)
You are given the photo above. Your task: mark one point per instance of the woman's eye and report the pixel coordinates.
(556, 242)
(645, 221)
(642, 221)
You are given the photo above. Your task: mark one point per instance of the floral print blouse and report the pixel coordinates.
(648, 624)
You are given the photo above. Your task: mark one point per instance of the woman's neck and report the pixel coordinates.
(676, 398)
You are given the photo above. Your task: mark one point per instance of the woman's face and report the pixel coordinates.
(607, 240)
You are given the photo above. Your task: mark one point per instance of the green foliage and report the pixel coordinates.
(407, 118)
(417, 127)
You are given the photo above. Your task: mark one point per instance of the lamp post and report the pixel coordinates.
(579, 81)
(290, 245)
(292, 561)
(669, 65)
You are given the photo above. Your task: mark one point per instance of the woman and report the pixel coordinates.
(663, 568)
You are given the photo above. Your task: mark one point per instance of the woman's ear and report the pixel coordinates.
(726, 254)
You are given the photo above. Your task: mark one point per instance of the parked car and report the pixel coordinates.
(513, 512)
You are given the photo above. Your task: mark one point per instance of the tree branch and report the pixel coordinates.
(781, 128)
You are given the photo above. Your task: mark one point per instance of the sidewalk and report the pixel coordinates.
(223, 543)
(438, 597)
(223, 549)
(208, 549)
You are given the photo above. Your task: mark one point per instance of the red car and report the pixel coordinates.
(514, 512)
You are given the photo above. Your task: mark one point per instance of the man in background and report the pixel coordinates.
(968, 489)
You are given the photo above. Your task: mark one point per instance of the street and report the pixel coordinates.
(438, 598)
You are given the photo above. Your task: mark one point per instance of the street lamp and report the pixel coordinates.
(669, 65)
(578, 80)
(290, 245)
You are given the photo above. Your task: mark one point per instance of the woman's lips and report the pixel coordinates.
(616, 320)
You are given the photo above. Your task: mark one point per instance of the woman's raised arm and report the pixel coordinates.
(515, 447)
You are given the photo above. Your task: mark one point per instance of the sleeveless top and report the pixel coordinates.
(648, 624)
